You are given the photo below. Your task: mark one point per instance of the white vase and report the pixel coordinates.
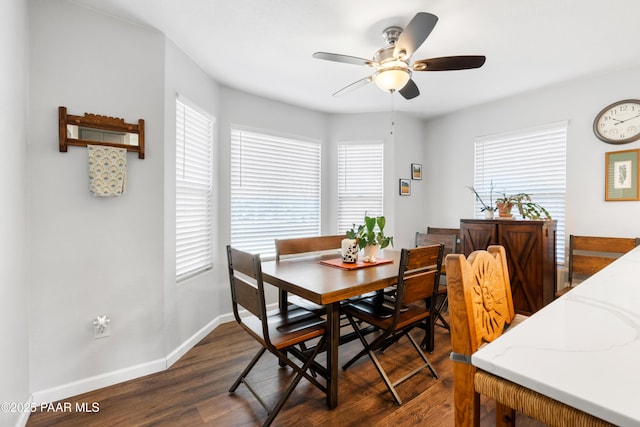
(371, 253)
(349, 251)
(488, 214)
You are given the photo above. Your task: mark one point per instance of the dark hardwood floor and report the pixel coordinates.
(194, 391)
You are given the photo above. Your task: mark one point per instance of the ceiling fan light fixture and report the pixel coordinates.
(391, 79)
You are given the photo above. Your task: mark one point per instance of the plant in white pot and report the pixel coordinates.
(371, 237)
(488, 209)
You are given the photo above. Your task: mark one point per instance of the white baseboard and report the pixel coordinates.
(183, 348)
(98, 381)
(24, 415)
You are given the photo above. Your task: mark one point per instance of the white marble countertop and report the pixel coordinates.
(582, 349)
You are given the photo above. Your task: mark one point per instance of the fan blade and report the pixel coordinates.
(353, 86)
(410, 90)
(449, 63)
(415, 33)
(343, 58)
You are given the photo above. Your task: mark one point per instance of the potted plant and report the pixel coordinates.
(527, 208)
(370, 236)
(504, 205)
(488, 209)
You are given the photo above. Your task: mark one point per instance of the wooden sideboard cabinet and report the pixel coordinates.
(531, 256)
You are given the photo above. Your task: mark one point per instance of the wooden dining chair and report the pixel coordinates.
(449, 237)
(280, 332)
(480, 311)
(589, 254)
(396, 315)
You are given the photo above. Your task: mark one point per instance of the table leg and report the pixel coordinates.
(333, 339)
(282, 299)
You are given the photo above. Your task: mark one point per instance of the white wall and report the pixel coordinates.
(91, 256)
(14, 347)
(449, 143)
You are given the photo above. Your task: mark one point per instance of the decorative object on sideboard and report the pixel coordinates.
(618, 123)
(93, 129)
(622, 182)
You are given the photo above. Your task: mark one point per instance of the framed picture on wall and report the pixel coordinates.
(622, 182)
(405, 187)
(416, 171)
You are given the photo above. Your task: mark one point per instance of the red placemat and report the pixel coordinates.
(338, 263)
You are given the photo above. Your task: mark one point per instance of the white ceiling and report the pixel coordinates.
(264, 47)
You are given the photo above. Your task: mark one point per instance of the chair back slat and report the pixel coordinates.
(604, 244)
(246, 296)
(448, 240)
(449, 237)
(419, 272)
(419, 286)
(245, 278)
(303, 245)
(590, 254)
(424, 257)
(590, 265)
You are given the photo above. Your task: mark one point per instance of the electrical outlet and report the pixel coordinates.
(101, 327)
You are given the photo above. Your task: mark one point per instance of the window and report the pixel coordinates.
(531, 161)
(275, 190)
(194, 173)
(360, 182)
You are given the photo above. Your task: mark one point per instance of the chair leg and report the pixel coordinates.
(385, 378)
(364, 342)
(383, 342)
(428, 342)
(247, 369)
(466, 400)
(505, 416)
(301, 372)
(422, 355)
(439, 309)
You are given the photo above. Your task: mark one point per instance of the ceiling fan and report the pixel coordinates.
(393, 68)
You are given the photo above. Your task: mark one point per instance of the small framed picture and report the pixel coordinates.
(622, 182)
(405, 187)
(416, 171)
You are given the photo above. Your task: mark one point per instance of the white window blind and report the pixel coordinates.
(360, 182)
(275, 190)
(194, 173)
(531, 161)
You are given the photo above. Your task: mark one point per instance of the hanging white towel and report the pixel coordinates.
(107, 170)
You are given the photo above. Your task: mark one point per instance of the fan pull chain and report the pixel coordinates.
(393, 113)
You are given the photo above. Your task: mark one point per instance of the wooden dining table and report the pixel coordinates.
(328, 285)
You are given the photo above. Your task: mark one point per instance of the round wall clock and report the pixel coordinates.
(618, 123)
